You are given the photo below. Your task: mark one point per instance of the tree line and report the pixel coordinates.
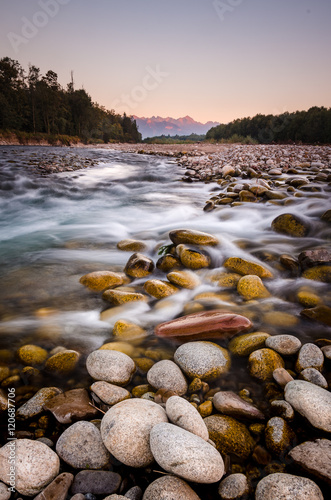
(36, 103)
(306, 127)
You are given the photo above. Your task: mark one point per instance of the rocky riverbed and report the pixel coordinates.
(228, 398)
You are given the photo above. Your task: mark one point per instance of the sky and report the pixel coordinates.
(210, 59)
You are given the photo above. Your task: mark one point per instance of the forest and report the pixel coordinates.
(301, 127)
(37, 105)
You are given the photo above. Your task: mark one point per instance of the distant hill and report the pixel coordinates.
(156, 126)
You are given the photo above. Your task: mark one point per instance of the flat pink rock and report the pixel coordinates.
(204, 325)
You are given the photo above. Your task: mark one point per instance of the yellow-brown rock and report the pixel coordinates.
(205, 409)
(4, 372)
(321, 314)
(308, 298)
(139, 266)
(63, 362)
(318, 273)
(251, 287)
(117, 297)
(192, 259)
(100, 280)
(184, 279)
(245, 344)
(159, 288)
(191, 237)
(124, 347)
(130, 245)
(168, 262)
(244, 267)
(228, 280)
(247, 196)
(263, 362)
(290, 224)
(280, 318)
(32, 355)
(143, 364)
(124, 330)
(278, 435)
(229, 435)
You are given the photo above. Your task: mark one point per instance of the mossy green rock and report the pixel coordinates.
(244, 267)
(189, 236)
(251, 287)
(100, 280)
(291, 225)
(229, 435)
(32, 355)
(263, 362)
(159, 288)
(63, 362)
(246, 344)
(318, 273)
(278, 435)
(192, 259)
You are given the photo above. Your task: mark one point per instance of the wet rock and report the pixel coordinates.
(314, 457)
(168, 488)
(71, 406)
(36, 465)
(205, 409)
(109, 393)
(191, 237)
(63, 362)
(291, 225)
(3, 400)
(311, 401)
(233, 487)
(4, 372)
(326, 216)
(229, 403)
(290, 263)
(204, 360)
(192, 259)
(318, 256)
(81, 446)
(280, 319)
(181, 413)
(126, 427)
(168, 262)
(282, 376)
(228, 170)
(201, 325)
(130, 245)
(229, 435)
(111, 366)
(119, 297)
(310, 356)
(318, 273)
(245, 267)
(283, 344)
(251, 287)
(314, 376)
(35, 405)
(227, 280)
(263, 362)
(159, 289)
(278, 435)
(5, 494)
(326, 351)
(185, 454)
(167, 375)
(58, 489)
(282, 486)
(184, 279)
(32, 355)
(282, 409)
(134, 493)
(96, 482)
(321, 314)
(139, 266)
(119, 346)
(100, 280)
(244, 345)
(124, 330)
(307, 298)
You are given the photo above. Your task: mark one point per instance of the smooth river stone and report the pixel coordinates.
(233, 486)
(167, 375)
(192, 237)
(58, 489)
(168, 488)
(70, 406)
(36, 465)
(204, 360)
(281, 486)
(314, 457)
(185, 454)
(310, 356)
(181, 413)
(204, 325)
(109, 393)
(35, 405)
(229, 403)
(111, 366)
(125, 430)
(311, 401)
(283, 344)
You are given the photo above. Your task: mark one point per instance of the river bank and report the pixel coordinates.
(77, 300)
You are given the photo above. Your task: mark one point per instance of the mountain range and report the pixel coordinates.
(156, 125)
